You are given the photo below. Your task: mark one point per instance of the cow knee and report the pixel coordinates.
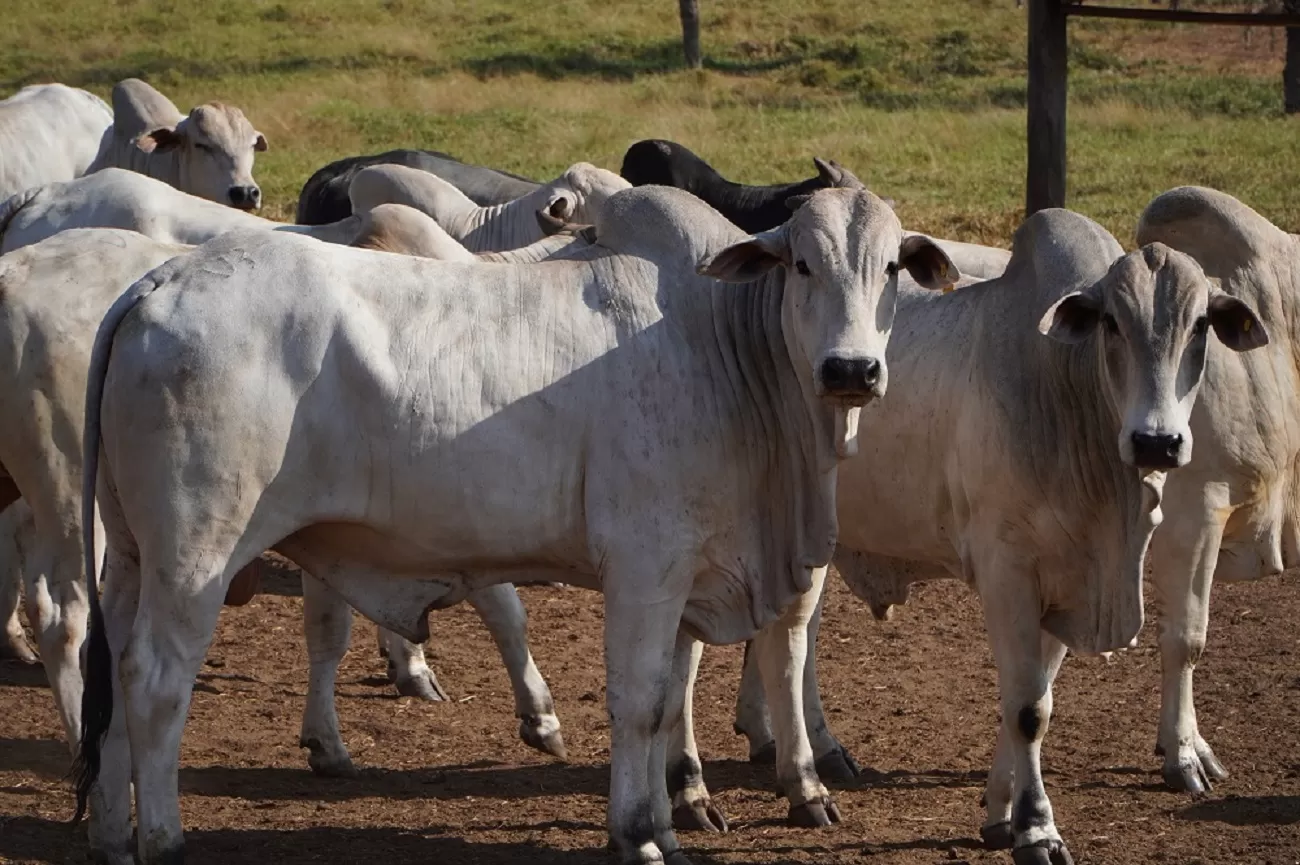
(1031, 721)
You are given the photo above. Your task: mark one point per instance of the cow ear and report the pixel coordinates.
(929, 265)
(1235, 323)
(1071, 319)
(259, 143)
(794, 202)
(829, 171)
(160, 140)
(748, 260)
(550, 225)
(561, 206)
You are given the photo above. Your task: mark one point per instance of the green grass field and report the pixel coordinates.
(924, 100)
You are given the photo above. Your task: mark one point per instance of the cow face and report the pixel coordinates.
(842, 251)
(1152, 313)
(215, 147)
(578, 195)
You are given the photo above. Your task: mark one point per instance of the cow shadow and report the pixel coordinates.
(920, 779)
(45, 841)
(48, 758)
(483, 779)
(20, 674)
(31, 839)
(1245, 811)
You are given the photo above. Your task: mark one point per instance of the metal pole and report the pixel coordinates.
(1045, 180)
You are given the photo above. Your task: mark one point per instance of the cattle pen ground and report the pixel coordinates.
(914, 699)
(925, 102)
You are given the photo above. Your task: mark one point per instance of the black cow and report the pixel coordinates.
(324, 198)
(752, 208)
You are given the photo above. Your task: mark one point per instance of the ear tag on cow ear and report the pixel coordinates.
(1245, 325)
(947, 289)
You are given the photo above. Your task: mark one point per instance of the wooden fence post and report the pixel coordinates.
(691, 32)
(1291, 72)
(1048, 66)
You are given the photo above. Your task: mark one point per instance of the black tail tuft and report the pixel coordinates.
(96, 710)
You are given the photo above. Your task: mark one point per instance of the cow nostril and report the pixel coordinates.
(871, 370)
(845, 376)
(1157, 450)
(244, 195)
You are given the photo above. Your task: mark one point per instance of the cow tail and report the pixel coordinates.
(97, 694)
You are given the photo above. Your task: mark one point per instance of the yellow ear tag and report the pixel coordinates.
(949, 287)
(1245, 325)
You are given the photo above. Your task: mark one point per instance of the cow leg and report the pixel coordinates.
(640, 639)
(685, 660)
(1027, 661)
(327, 625)
(109, 832)
(832, 760)
(506, 619)
(997, 799)
(57, 607)
(693, 808)
(782, 653)
(178, 614)
(407, 668)
(16, 528)
(1184, 554)
(752, 719)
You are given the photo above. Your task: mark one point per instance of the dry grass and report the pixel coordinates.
(923, 100)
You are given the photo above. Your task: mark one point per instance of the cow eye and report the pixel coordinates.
(1202, 326)
(892, 269)
(1111, 325)
(802, 267)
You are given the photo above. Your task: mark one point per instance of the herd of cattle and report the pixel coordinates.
(663, 386)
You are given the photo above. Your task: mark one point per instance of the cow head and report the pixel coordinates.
(214, 147)
(578, 195)
(842, 251)
(1152, 313)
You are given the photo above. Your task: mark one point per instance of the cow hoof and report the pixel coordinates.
(1043, 853)
(1187, 777)
(764, 756)
(998, 836)
(16, 649)
(838, 766)
(423, 685)
(814, 814)
(703, 816)
(171, 856)
(108, 857)
(1213, 768)
(323, 766)
(534, 733)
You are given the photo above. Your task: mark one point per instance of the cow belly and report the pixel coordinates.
(386, 596)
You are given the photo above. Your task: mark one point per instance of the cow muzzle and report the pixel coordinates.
(852, 380)
(1159, 450)
(245, 197)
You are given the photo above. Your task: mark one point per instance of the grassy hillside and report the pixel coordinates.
(924, 100)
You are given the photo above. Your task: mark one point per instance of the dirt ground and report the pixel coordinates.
(914, 699)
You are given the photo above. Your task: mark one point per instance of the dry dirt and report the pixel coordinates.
(914, 699)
